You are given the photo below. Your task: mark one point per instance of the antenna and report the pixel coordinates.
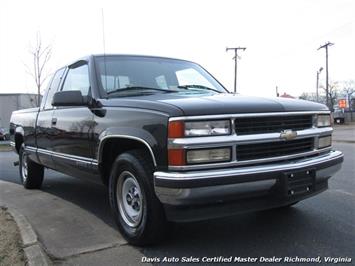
(104, 45)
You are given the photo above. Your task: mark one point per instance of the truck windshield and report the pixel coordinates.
(131, 75)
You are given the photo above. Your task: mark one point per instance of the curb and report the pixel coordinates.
(34, 253)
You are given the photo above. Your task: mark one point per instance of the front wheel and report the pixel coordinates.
(31, 173)
(139, 214)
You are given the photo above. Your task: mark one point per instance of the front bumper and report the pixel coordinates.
(197, 195)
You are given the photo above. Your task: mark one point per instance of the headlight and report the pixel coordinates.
(324, 142)
(207, 128)
(208, 155)
(323, 120)
(181, 129)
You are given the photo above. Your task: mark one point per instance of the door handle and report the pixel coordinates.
(54, 121)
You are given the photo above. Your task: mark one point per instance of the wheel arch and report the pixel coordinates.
(112, 145)
(121, 138)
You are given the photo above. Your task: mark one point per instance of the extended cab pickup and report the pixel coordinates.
(171, 144)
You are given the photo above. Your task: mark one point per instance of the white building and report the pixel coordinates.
(10, 102)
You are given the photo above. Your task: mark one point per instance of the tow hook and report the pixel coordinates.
(16, 163)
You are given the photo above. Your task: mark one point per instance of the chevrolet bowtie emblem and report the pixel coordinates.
(288, 134)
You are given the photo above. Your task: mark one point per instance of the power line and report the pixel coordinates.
(325, 46)
(235, 63)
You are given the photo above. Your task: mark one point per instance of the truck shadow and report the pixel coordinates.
(88, 196)
(286, 232)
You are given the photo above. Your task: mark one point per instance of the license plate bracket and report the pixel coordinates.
(299, 182)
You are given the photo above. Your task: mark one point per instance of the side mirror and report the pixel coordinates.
(68, 98)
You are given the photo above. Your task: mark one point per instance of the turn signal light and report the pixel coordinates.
(176, 129)
(176, 157)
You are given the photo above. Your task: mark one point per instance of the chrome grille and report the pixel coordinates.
(273, 149)
(272, 124)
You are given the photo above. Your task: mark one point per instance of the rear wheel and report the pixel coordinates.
(139, 214)
(31, 173)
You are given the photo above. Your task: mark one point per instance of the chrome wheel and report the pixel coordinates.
(24, 167)
(130, 200)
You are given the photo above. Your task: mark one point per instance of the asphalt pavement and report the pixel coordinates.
(74, 225)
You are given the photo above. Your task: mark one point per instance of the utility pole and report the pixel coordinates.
(326, 71)
(235, 63)
(317, 93)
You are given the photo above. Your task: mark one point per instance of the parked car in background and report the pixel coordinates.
(338, 116)
(4, 134)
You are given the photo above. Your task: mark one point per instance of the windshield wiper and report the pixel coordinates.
(139, 88)
(192, 86)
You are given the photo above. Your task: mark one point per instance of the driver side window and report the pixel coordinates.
(78, 79)
(53, 87)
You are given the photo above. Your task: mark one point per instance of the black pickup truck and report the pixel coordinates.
(171, 144)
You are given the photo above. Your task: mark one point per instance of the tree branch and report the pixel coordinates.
(40, 58)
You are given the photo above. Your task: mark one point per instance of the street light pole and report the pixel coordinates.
(326, 71)
(317, 94)
(235, 63)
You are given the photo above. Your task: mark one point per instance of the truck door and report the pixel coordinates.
(44, 131)
(73, 128)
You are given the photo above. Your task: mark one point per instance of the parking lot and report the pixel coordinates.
(73, 221)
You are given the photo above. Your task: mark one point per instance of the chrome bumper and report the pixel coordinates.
(198, 187)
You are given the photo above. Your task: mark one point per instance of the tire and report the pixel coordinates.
(31, 173)
(137, 211)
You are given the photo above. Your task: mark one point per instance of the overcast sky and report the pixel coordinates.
(281, 37)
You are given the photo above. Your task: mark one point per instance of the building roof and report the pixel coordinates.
(285, 95)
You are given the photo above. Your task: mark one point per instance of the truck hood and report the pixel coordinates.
(192, 104)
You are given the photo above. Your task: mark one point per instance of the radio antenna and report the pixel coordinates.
(104, 45)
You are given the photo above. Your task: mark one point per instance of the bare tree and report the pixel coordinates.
(310, 96)
(349, 90)
(332, 94)
(40, 57)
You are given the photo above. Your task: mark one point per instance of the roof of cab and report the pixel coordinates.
(89, 57)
